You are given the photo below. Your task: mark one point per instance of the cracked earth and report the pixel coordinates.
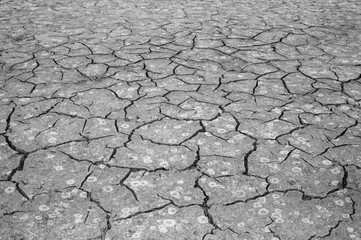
(184, 120)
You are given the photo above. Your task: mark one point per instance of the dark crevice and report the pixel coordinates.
(247, 156)
(142, 212)
(205, 206)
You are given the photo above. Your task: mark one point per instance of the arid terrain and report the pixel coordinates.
(180, 120)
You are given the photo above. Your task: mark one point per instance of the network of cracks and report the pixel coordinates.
(184, 120)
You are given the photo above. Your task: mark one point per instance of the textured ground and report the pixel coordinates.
(184, 120)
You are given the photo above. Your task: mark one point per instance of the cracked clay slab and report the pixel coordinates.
(184, 120)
